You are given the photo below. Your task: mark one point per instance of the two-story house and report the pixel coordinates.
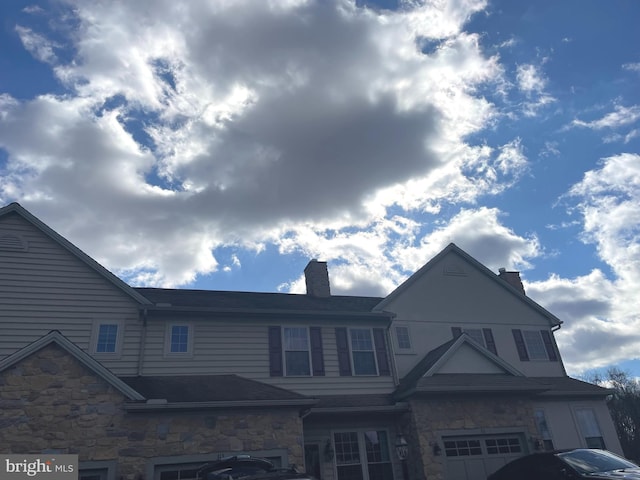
(457, 368)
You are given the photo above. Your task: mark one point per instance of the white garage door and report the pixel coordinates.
(475, 457)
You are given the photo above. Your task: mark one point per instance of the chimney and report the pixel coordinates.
(317, 279)
(512, 278)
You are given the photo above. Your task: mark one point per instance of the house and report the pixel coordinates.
(448, 377)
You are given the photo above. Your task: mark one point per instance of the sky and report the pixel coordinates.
(221, 144)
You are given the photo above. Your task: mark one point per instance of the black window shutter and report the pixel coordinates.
(342, 343)
(317, 355)
(275, 352)
(489, 341)
(522, 349)
(381, 352)
(456, 332)
(548, 345)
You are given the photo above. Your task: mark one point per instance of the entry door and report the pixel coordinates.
(362, 455)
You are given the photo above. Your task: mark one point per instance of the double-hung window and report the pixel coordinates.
(589, 428)
(106, 338)
(297, 357)
(363, 352)
(535, 345)
(403, 339)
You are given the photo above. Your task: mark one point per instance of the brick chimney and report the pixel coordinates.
(512, 278)
(316, 277)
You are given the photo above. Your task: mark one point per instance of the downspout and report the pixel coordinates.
(143, 340)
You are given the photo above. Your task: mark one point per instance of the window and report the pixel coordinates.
(403, 339)
(535, 345)
(589, 428)
(296, 351)
(362, 352)
(543, 429)
(107, 340)
(363, 455)
(179, 339)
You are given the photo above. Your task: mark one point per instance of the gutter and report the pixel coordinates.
(397, 408)
(162, 404)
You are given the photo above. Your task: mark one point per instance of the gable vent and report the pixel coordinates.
(12, 242)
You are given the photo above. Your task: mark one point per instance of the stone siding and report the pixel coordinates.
(431, 418)
(50, 402)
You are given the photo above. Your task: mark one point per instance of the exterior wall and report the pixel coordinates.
(565, 431)
(46, 288)
(431, 419)
(240, 346)
(50, 402)
(455, 293)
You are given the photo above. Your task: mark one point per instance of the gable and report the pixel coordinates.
(53, 359)
(469, 360)
(455, 288)
(34, 257)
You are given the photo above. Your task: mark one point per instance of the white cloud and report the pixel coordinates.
(216, 123)
(621, 116)
(41, 48)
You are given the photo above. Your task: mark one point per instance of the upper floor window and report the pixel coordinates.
(297, 359)
(362, 352)
(295, 351)
(403, 338)
(482, 336)
(179, 338)
(534, 345)
(107, 338)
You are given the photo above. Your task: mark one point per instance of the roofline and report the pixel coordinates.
(67, 245)
(85, 359)
(145, 407)
(555, 321)
(266, 311)
(461, 389)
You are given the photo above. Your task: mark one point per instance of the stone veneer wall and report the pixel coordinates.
(429, 418)
(50, 402)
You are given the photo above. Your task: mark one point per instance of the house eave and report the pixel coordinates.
(226, 405)
(399, 407)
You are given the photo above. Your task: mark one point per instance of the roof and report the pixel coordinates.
(453, 248)
(55, 337)
(17, 209)
(216, 300)
(567, 386)
(208, 388)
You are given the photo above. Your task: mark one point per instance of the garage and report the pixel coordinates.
(473, 457)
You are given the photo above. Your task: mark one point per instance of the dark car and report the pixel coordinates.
(570, 464)
(247, 467)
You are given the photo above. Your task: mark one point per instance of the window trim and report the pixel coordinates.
(168, 339)
(95, 334)
(284, 351)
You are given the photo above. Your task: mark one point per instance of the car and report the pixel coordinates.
(247, 467)
(575, 464)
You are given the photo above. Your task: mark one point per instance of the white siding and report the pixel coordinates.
(47, 288)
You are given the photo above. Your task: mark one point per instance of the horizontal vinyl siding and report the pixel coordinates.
(47, 288)
(241, 347)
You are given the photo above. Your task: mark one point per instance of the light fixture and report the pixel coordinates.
(328, 451)
(402, 447)
(436, 448)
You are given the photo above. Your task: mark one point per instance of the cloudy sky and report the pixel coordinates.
(220, 144)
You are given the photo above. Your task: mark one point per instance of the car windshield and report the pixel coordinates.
(593, 461)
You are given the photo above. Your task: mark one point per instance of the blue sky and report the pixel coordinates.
(221, 145)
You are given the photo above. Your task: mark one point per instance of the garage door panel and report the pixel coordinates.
(473, 457)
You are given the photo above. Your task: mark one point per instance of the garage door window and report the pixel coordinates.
(503, 445)
(486, 446)
(462, 448)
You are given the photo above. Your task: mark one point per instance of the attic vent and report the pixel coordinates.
(13, 242)
(454, 269)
